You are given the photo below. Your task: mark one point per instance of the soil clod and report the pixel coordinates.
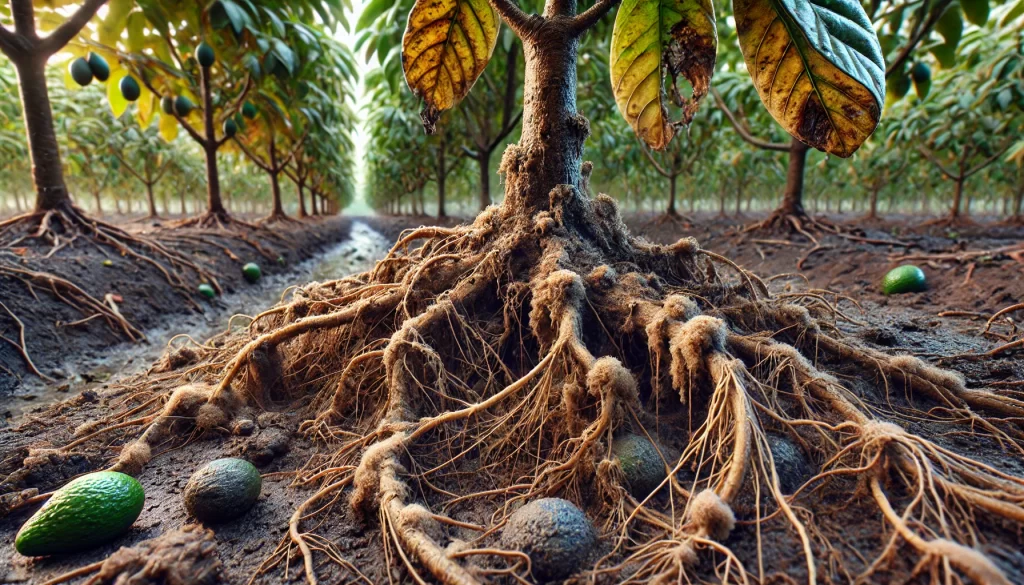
(557, 536)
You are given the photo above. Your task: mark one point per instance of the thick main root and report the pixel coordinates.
(495, 363)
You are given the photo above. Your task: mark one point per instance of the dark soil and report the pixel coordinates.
(139, 290)
(908, 322)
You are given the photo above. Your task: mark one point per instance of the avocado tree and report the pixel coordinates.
(971, 121)
(142, 154)
(29, 53)
(513, 351)
(309, 77)
(195, 74)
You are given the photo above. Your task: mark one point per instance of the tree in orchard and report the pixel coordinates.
(205, 97)
(968, 124)
(493, 363)
(309, 74)
(878, 166)
(144, 155)
(55, 221)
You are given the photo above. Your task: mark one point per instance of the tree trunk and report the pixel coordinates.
(151, 200)
(96, 195)
(672, 195)
(873, 209)
(300, 187)
(47, 170)
(550, 152)
(1018, 202)
(793, 198)
(739, 194)
(484, 161)
(213, 200)
(275, 189)
(442, 176)
(958, 191)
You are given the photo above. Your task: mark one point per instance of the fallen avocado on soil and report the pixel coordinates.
(89, 511)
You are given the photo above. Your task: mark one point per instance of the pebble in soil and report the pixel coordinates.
(791, 464)
(556, 535)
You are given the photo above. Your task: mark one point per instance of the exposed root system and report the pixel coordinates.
(60, 228)
(512, 350)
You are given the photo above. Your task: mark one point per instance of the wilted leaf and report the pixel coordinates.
(446, 47)
(653, 40)
(817, 66)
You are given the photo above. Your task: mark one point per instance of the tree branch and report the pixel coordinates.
(184, 123)
(71, 27)
(742, 130)
(921, 33)
(8, 41)
(253, 157)
(591, 16)
(295, 150)
(661, 170)
(517, 20)
(512, 124)
(938, 164)
(988, 160)
(125, 164)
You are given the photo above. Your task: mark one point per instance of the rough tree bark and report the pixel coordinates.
(793, 198)
(210, 145)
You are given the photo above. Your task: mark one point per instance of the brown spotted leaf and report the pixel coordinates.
(655, 41)
(817, 66)
(446, 47)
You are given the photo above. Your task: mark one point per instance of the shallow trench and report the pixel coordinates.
(358, 253)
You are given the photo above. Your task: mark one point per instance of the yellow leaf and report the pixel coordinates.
(817, 66)
(146, 107)
(446, 47)
(117, 102)
(677, 36)
(168, 127)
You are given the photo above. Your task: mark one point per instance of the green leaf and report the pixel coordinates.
(945, 55)
(817, 67)
(1016, 12)
(1004, 98)
(136, 32)
(678, 36)
(446, 46)
(951, 26)
(372, 12)
(976, 11)
(115, 22)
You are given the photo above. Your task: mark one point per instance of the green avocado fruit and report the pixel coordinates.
(207, 291)
(640, 463)
(130, 89)
(252, 272)
(205, 55)
(99, 67)
(907, 278)
(249, 110)
(167, 104)
(89, 511)
(183, 106)
(921, 74)
(222, 490)
(81, 72)
(230, 128)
